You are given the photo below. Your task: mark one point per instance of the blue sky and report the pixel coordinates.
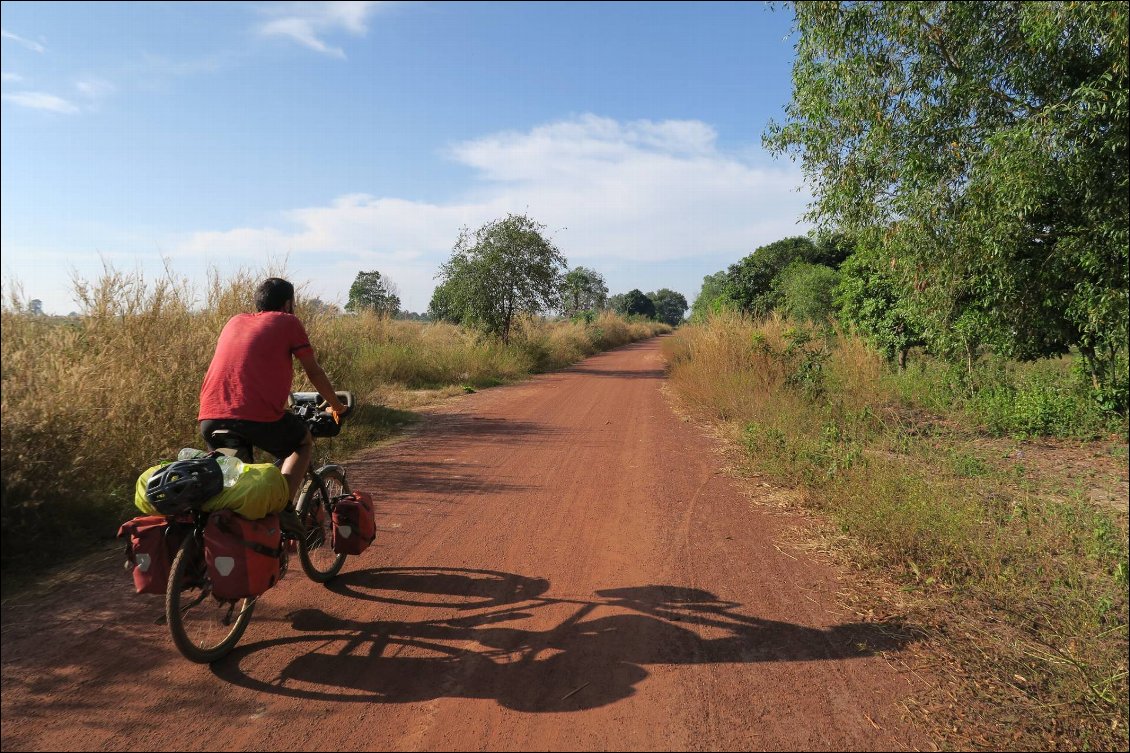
(340, 137)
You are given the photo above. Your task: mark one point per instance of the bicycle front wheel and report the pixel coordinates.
(204, 629)
(315, 508)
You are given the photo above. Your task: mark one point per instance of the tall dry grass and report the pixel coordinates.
(1041, 580)
(89, 402)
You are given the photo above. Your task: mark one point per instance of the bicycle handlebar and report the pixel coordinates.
(315, 398)
(308, 407)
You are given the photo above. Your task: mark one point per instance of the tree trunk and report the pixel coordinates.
(1089, 358)
(506, 322)
(902, 359)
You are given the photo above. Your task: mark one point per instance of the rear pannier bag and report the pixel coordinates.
(355, 525)
(242, 555)
(151, 545)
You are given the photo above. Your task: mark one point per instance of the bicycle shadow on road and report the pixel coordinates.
(505, 637)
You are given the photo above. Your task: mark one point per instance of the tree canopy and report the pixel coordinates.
(371, 292)
(711, 297)
(669, 306)
(749, 282)
(504, 268)
(805, 292)
(869, 303)
(633, 303)
(981, 149)
(583, 289)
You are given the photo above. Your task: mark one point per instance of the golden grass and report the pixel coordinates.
(89, 402)
(1041, 580)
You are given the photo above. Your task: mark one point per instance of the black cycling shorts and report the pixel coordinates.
(280, 438)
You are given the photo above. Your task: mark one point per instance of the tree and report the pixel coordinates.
(871, 305)
(583, 289)
(371, 293)
(35, 307)
(711, 297)
(318, 307)
(441, 308)
(749, 282)
(805, 292)
(669, 306)
(504, 268)
(634, 303)
(982, 146)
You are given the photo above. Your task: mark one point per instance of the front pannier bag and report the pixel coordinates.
(151, 545)
(355, 524)
(242, 555)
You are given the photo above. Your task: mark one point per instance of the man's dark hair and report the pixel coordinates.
(273, 293)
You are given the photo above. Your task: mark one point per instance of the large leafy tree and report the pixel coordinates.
(633, 303)
(982, 147)
(504, 268)
(870, 304)
(805, 292)
(711, 297)
(441, 308)
(371, 292)
(669, 306)
(583, 289)
(749, 282)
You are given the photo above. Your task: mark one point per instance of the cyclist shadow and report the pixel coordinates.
(527, 650)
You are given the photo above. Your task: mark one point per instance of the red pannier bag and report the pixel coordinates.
(355, 524)
(242, 555)
(151, 545)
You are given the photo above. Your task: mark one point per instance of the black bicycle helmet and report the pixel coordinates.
(184, 485)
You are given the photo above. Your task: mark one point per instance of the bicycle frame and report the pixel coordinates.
(188, 573)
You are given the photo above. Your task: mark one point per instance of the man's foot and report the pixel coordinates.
(291, 523)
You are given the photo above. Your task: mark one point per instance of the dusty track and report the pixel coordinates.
(560, 565)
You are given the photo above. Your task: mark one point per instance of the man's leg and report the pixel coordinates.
(295, 465)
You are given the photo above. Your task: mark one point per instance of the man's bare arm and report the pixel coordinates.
(320, 381)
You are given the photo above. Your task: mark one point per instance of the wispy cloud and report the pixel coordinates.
(36, 46)
(41, 101)
(94, 88)
(12, 77)
(165, 66)
(615, 195)
(309, 23)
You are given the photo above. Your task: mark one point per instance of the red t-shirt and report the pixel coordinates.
(250, 375)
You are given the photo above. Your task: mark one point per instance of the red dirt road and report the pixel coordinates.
(560, 565)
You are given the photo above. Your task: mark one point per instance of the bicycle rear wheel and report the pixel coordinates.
(203, 628)
(315, 507)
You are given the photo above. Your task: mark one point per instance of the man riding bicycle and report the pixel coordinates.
(249, 381)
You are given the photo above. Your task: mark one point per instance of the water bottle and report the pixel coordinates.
(189, 453)
(231, 467)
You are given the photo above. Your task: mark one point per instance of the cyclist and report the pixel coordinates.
(250, 378)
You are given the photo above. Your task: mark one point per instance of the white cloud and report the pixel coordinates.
(94, 88)
(12, 77)
(629, 196)
(308, 23)
(41, 101)
(34, 46)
